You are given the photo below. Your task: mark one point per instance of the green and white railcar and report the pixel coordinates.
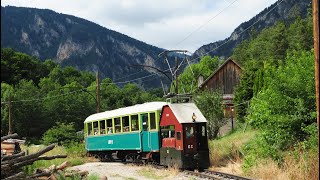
(119, 132)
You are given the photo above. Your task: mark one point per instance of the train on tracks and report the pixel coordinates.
(168, 134)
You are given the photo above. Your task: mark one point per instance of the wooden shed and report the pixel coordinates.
(225, 78)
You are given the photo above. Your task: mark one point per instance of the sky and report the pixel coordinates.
(168, 24)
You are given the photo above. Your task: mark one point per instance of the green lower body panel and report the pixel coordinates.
(126, 141)
(177, 158)
(150, 141)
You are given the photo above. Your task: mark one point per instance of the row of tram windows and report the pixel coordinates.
(123, 124)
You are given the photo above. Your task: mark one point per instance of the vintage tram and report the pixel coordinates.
(169, 134)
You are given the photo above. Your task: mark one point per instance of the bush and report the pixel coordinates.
(210, 104)
(76, 148)
(62, 133)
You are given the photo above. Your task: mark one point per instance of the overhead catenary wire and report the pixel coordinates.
(240, 32)
(200, 27)
(144, 77)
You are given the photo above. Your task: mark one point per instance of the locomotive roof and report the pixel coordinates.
(138, 108)
(184, 112)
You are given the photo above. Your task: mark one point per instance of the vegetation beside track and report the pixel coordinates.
(230, 154)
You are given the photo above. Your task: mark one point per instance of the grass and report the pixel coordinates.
(152, 173)
(75, 155)
(303, 167)
(123, 177)
(228, 148)
(226, 156)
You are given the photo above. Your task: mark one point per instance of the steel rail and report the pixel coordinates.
(207, 174)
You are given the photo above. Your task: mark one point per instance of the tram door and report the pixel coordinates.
(145, 135)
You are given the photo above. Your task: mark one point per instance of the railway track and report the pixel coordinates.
(206, 174)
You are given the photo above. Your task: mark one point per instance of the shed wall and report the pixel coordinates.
(225, 79)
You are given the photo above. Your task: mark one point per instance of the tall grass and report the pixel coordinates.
(228, 148)
(226, 155)
(303, 167)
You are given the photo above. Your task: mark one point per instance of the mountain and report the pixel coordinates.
(69, 40)
(282, 10)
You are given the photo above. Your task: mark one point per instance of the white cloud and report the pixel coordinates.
(162, 23)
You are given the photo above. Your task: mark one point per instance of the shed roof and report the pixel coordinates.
(184, 112)
(138, 108)
(229, 59)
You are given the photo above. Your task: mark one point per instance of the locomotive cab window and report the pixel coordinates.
(125, 124)
(134, 123)
(203, 130)
(153, 124)
(167, 131)
(117, 125)
(189, 132)
(109, 126)
(178, 135)
(95, 128)
(102, 126)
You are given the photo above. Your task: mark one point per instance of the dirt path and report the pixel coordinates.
(119, 171)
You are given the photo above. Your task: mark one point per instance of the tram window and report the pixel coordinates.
(109, 126)
(90, 129)
(203, 130)
(153, 121)
(125, 124)
(145, 122)
(95, 128)
(189, 132)
(117, 125)
(102, 127)
(134, 123)
(178, 135)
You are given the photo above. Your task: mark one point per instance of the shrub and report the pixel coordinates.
(62, 134)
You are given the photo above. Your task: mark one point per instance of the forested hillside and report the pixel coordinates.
(76, 42)
(43, 94)
(282, 10)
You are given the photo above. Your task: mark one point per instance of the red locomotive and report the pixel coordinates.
(183, 137)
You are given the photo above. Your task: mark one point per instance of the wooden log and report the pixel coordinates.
(28, 162)
(42, 174)
(19, 175)
(81, 173)
(11, 165)
(53, 177)
(31, 156)
(64, 165)
(52, 167)
(10, 136)
(5, 158)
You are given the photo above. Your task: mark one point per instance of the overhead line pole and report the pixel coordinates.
(10, 116)
(315, 15)
(98, 92)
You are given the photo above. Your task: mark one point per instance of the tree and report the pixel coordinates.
(210, 104)
(61, 133)
(285, 106)
(6, 92)
(19, 64)
(27, 111)
(189, 78)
